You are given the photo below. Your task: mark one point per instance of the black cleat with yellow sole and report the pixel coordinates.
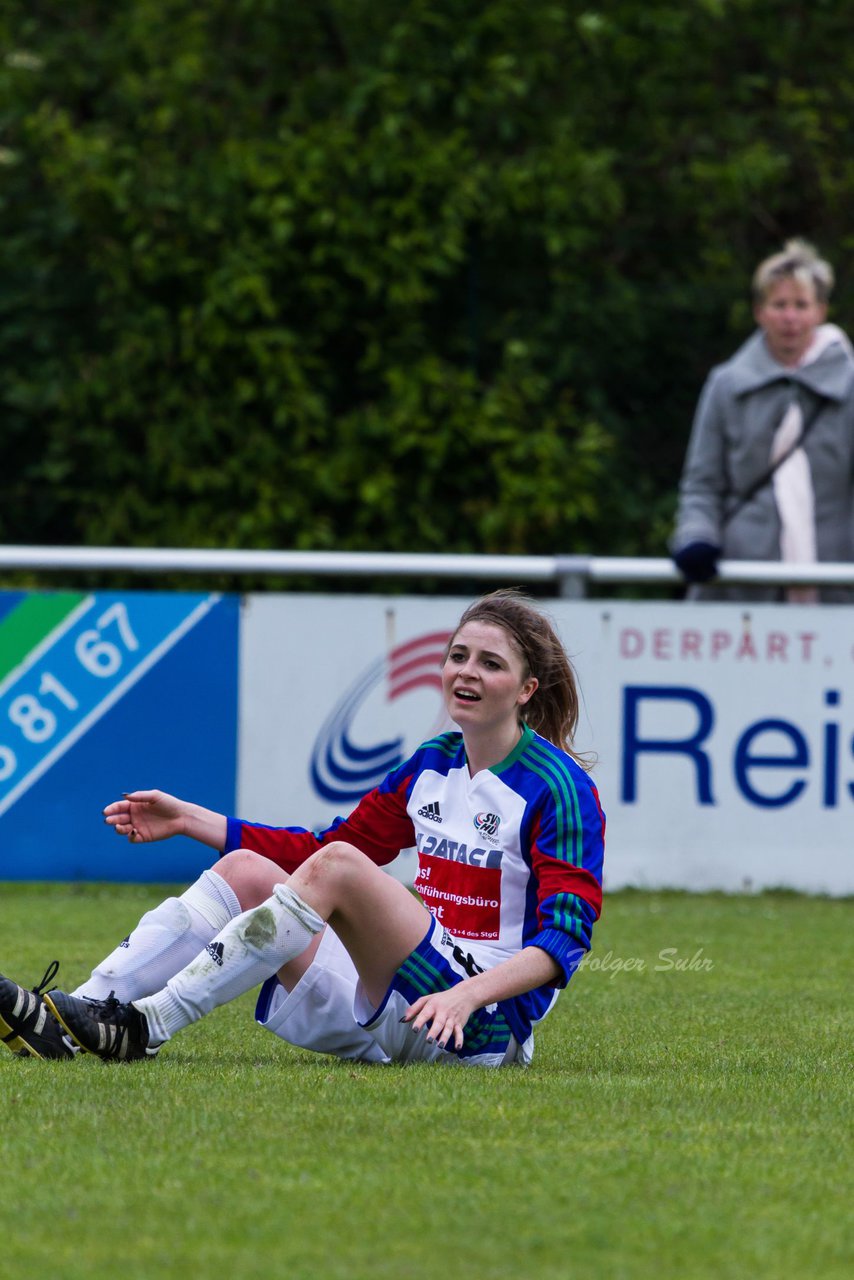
(109, 1029)
(27, 1026)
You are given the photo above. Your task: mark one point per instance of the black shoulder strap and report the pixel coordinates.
(763, 479)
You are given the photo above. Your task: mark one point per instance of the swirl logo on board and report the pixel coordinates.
(341, 768)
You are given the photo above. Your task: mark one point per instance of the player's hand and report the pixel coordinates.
(144, 816)
(443, 1015)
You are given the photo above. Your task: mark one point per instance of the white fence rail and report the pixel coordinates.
(570, 574)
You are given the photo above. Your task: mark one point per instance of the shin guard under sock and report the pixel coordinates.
(246, 952)
(165, 940)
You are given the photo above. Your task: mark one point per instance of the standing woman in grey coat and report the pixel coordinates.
(769, 472)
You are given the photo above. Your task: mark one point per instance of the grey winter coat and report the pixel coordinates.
(741, 406)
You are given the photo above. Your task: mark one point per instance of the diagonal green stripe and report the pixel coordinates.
(478, 1036)
(563, 789)
(567, 782)
(567, 907)
(422, 974)
(444, 743)
(23, 628)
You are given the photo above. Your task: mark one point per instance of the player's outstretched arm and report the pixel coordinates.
(145, 816)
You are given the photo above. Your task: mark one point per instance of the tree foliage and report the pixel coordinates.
(433, 275)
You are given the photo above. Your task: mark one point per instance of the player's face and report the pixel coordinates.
(484, 679)
(789, 315)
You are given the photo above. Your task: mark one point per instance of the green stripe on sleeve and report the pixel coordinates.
(568, 810)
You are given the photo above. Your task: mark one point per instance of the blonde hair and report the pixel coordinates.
(553, 708)
(799, 261)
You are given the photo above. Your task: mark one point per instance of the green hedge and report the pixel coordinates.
(439, 275)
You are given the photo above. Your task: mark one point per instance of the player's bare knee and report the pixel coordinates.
(333, 864)
(250, 875)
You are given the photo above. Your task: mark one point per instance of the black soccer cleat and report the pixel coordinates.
(27, 1026)
(107, 1028)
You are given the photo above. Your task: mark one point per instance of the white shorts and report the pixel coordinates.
(328, 1011)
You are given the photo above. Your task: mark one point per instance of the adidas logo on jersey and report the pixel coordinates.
(430, 811)
(215, 951)
(125, 942)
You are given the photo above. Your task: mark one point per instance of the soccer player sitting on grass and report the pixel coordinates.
(509, 834)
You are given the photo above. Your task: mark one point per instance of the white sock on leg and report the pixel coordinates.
(166, 939)
(242, 955)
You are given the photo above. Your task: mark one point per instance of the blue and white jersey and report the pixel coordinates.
(508, 858)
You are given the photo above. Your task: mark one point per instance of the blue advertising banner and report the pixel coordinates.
(103, 693)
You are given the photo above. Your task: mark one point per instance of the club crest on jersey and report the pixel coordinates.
(487, 824)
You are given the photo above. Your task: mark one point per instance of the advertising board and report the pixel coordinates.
(722, 734)
(102, 693)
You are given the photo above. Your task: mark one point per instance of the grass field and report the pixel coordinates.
(687, 1115)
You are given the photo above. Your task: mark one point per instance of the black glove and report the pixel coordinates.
(698, 561)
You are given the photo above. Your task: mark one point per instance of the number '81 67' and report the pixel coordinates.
(37, 715)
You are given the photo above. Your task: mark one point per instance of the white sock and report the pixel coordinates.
(243, 954)
(165, 939)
